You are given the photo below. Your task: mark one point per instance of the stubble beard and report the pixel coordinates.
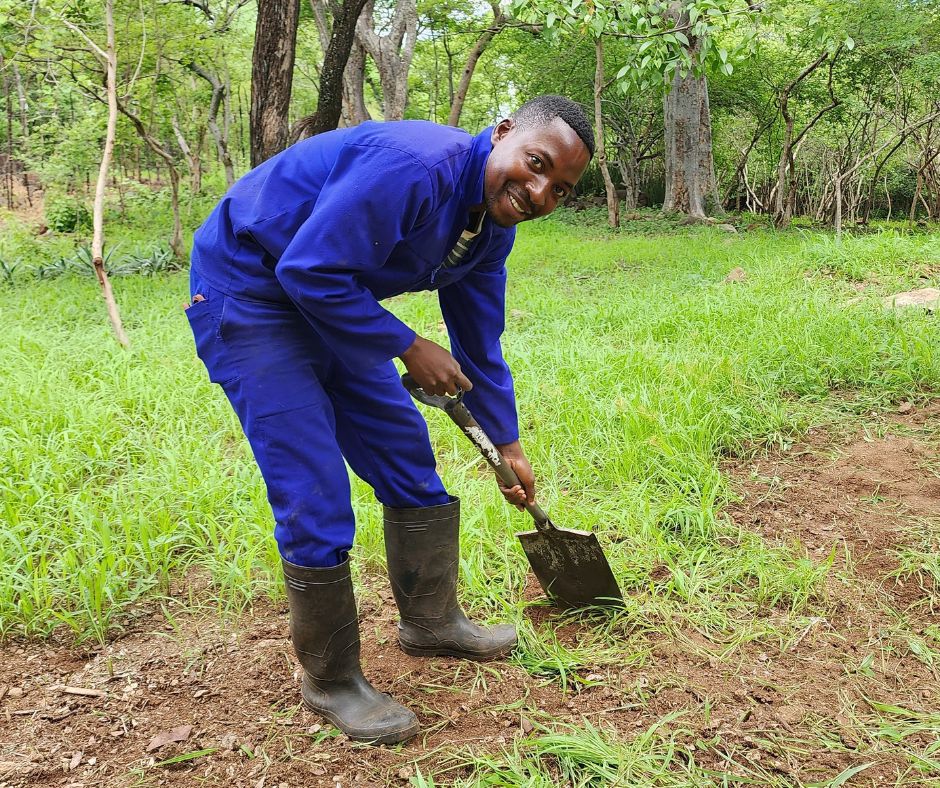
(491, 201)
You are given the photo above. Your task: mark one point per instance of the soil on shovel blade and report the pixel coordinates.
(201, 701)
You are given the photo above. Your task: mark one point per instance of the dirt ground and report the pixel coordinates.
(800, 710)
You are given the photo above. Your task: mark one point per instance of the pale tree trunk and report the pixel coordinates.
(272, 69)
(873, 154)
(108, 59)
(837, 190)
(354, 77)
(628, 176)
(613, 204)
(392, 53)
(219, 134)
(690, 170)
(479, 46)
(193, 162)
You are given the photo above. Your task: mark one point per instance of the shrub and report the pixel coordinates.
(67, 214)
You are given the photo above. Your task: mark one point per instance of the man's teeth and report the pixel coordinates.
(515, 204)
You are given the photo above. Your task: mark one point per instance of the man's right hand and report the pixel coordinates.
(433, 368)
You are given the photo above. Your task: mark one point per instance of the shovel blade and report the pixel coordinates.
(571, 567)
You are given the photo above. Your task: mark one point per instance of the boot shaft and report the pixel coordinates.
(422, 546)
(324, 622)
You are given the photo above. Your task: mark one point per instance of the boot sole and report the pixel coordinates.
(430, 651)
(393, 737)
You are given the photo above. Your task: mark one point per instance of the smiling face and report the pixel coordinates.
(530, 170)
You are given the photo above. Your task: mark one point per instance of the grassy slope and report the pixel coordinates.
(637, 366)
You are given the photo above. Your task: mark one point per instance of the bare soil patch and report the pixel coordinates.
(799, 708)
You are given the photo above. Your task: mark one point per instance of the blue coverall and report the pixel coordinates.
(292, 264)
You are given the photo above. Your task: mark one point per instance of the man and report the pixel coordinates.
(287, 275)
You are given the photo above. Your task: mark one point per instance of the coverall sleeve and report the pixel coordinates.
(352, 229)
(474, 311)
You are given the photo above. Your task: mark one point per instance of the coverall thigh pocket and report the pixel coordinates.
(205, 320)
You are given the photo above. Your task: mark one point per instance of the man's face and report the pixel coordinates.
(531, 170)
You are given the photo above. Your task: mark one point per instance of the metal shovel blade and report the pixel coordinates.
(571, 567)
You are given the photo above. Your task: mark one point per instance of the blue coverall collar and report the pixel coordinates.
(481, 148)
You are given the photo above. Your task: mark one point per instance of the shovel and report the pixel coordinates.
(570, 565)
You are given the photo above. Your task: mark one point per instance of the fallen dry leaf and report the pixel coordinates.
(736, 275)
(180, 733)
(76, 759)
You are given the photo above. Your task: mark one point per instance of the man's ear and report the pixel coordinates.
(501, 129)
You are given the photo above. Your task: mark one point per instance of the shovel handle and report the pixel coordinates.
(461, 416)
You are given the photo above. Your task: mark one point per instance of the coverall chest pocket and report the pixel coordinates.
(206, 320)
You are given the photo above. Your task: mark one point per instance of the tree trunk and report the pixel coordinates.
(690, 171)
(330, 100)
(456, 106)
(219, 98)
(354, 78)
(176, 240)
(629, 178)
(24, 126)
(786, 165)
(9, 108)
(354, 110)
(917, 191)
(272, 68)
(613, 204)
(193, 161)
(837, 190)
(97, 238)
(392, 53)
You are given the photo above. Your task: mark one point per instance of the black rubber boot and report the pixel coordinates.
(423, 557)
(324, 627)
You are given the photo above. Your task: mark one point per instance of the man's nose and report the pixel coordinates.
(539, 191)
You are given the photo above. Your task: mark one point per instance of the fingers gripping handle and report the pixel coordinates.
(461, 416)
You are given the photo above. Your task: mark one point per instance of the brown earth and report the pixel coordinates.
(795, 709)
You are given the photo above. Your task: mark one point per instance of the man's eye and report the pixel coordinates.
(560, 193)
(536, 161)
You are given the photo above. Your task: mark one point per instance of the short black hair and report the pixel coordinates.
(544, 109)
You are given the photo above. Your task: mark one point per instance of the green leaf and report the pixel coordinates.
(186, 756)
(723, 54)
(680, 36)
(846, 775)
(550, 20)
(849, 43)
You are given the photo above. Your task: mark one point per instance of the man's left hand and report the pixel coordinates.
(524, 492)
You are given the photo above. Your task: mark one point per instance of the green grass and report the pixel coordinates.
(637, 366)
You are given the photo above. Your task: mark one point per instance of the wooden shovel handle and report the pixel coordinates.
(461, 416)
